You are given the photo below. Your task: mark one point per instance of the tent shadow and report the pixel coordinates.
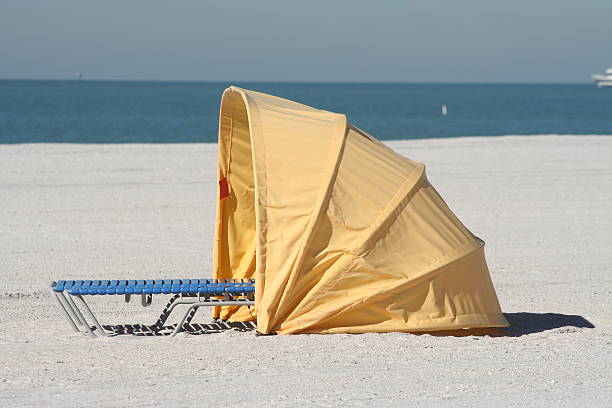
(521, 324)
(524, 324)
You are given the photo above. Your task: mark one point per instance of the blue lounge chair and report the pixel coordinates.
(193, 292)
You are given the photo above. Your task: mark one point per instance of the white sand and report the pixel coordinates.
(543, 205)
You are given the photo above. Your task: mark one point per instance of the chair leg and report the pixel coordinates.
(80, 316)
(65, 310)
(179, 327)
(64, 299)
(91, 315)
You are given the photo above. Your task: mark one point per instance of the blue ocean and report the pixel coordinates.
(186, 112)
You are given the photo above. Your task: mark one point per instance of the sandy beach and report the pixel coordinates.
(543, 204)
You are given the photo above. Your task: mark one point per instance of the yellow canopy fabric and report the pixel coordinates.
(342, 234)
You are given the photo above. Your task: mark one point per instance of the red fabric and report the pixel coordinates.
(223, 188)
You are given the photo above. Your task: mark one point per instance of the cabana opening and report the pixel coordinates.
(235, 258)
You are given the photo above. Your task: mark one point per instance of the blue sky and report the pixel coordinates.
(372, 41)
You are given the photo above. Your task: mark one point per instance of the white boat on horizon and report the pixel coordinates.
(603, 80)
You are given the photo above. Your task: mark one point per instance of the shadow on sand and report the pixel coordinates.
(193, 328)
(523, 324)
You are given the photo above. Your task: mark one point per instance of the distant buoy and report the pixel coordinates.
(444, 110)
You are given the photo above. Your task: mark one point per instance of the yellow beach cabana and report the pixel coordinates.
(342, 234)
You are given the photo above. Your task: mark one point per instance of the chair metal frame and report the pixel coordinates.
(77, 320)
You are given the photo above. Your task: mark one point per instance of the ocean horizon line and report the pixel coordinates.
(391, 139)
